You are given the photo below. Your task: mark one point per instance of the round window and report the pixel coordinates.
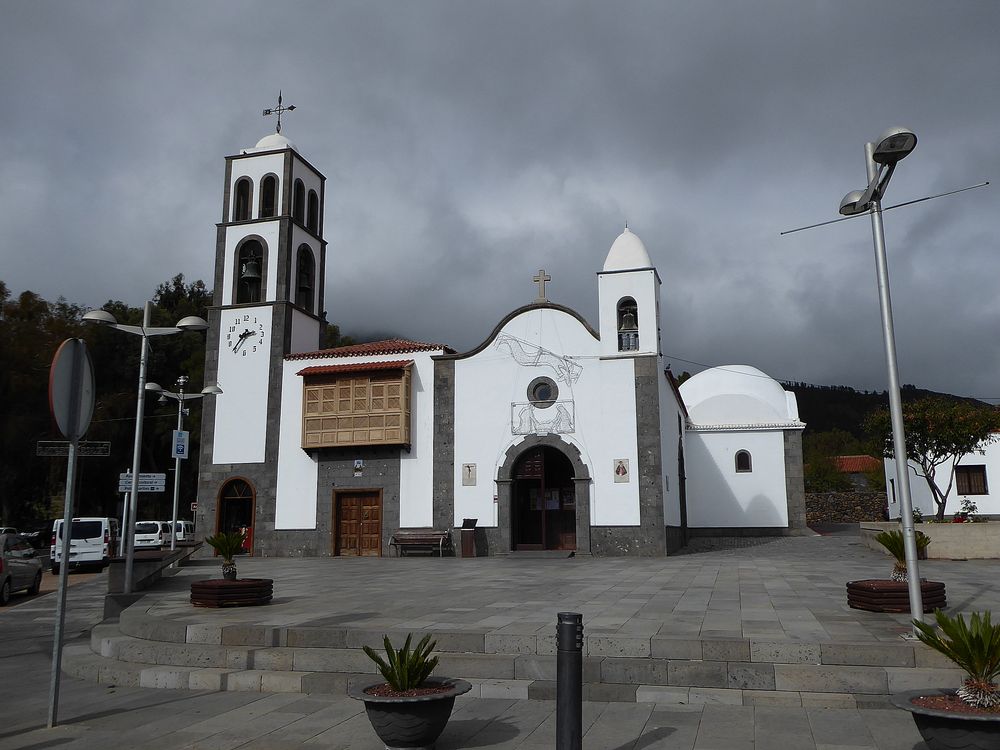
(543, 392)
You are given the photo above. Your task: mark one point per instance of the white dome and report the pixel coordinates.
(274, 141)
(627, 253)
(737, 394)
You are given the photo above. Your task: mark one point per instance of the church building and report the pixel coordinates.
(553, 433)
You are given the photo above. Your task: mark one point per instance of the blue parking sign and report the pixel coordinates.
(180, 444)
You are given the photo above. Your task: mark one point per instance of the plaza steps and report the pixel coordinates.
(140, 650)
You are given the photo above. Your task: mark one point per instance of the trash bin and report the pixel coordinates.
(469, 537)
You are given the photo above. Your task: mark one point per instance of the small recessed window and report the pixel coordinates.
(744, 463)
(299, 202)
(543, 392)
(312, 217)
(241, 208)
(268, 196)
(971, 480)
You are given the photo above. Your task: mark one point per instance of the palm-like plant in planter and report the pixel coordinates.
(970, 716)
(893, 542)
(227, 544)
(411, 708)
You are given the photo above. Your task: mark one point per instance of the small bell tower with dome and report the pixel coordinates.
(629, 300)
(270, 262)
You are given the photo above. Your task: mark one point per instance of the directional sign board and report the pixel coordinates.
(84, 448)
(148, 482)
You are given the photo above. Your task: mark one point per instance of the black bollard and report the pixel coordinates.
(569, 681)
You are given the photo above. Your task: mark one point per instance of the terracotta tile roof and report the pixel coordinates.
(399, 364)
(856, 464)
(389, 346)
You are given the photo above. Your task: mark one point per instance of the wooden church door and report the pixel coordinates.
(357, 528)
(544, 498)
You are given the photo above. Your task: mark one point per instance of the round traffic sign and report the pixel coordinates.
(71, 388)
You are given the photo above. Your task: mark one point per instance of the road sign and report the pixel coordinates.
(148, 482)
(84, 448)
(180, 444)
(194, 507)
(71, 389)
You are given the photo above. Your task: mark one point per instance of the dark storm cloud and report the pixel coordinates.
(468, 144)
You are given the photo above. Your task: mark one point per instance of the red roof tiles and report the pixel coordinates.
(356, 367)
(389, 346)
(856, 464)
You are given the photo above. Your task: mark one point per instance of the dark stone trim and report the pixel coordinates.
(745, 531)
(581, 479)
(444, 446)
(286, 185)
(795, 491)
(220, 263)
(235, 260)
(519, 311)
(227, 190)
(649, 472)
(633, 270)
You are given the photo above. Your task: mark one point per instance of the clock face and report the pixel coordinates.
(244, 335)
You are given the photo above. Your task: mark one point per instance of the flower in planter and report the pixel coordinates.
(974, 647)
(893, 542)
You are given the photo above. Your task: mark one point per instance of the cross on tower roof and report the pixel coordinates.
(540, 278)
(277, 111)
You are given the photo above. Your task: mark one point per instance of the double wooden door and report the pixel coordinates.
(357, 528)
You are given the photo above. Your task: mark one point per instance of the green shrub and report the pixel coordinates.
(227, 543)
(893, 542)
(974, 647)
(404, 669)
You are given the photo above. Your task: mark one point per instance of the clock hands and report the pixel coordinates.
(243, 338)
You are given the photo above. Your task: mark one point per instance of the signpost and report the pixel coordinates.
(147, 482)
(71, 403)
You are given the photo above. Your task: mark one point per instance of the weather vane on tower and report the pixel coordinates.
(277, 111)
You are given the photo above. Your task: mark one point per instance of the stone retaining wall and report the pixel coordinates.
(845, 507)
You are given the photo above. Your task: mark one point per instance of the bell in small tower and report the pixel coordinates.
(250, 278)
(250, 273)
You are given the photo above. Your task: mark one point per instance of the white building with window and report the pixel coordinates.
(974, 476)
(552, 433)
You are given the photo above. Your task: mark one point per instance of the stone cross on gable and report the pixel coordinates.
(540, 278)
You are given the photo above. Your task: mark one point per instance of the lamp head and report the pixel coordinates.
(894, 145)
(192, 323)
(211, 390)
(154, 387)
(101, 317)
(851, 204)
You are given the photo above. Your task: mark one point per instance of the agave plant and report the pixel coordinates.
(974, 647)
(893, 542)
(404, 669)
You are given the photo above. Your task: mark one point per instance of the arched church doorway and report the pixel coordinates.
(236, 510)
(543, 501)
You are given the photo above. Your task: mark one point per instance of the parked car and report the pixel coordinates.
(8, 530)
(185, 532)
(92, 542)
(20, 567)
(151, 534)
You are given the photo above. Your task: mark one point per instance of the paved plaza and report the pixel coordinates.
(784, 590)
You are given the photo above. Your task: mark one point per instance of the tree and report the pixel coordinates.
(938, 432)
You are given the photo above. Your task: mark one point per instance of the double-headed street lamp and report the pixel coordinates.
(880, 160)
(102, 317)
(180, 397)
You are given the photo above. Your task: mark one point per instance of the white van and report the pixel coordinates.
(92, 542)
(151, 534)
(185, 532)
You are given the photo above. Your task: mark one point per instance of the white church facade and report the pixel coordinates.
(552, 434)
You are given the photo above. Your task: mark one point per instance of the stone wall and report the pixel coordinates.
(845, 507)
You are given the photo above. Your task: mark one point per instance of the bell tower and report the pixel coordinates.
(270, 262)
(629, 300)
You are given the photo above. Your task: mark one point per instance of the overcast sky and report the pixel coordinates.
(468, 144)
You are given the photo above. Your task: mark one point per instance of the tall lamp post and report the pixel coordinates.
(180, 397)
(881, 160)
(145, 331)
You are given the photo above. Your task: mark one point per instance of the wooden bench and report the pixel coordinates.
(428, 539)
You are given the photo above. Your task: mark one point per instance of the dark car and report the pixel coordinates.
(20, 567)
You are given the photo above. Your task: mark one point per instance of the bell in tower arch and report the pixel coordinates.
(248, 286)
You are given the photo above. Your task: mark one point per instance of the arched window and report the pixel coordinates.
(628, 325)
(305, 278)
(299, 202)
(744, 463)
(241, 206)
(249, 271)
(268, 196)
(312, 220)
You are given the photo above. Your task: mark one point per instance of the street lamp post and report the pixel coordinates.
(145, 331)
(180, 397)
(881, 160)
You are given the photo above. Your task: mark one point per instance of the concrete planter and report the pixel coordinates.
(949, 541)
(943, 730)
(410, 722)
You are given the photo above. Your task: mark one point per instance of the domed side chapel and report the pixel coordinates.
(552, 434)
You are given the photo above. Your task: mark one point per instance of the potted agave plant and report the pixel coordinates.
(893, 542)
(227, 545)
(409, 709)
(968, 717)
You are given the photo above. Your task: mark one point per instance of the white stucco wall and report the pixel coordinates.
(488, 383)
(255, 168)
(305, 333)
(297, 494)
(268, 232)
(718, 496)
(241, 408)
(920, 493)
(644, 288)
